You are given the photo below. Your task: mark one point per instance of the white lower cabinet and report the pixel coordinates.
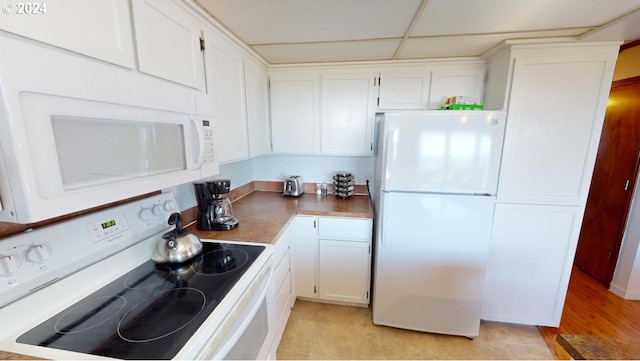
(304, 246)
(530, 261)
(343, 272)
(332, 258)
(280, 289)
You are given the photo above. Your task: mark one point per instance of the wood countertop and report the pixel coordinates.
(264, 216)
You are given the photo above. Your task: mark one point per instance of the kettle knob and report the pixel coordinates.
(172, 244)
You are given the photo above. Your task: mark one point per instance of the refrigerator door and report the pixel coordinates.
(431, 257)
(444, 151)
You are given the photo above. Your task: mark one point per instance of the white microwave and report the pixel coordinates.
(71, 140)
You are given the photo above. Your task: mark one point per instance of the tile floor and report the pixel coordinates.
(324, 331)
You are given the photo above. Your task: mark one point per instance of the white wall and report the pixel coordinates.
(626, 279)
(313, 169)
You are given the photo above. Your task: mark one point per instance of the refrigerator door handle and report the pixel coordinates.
(380, 220)
(389, 147)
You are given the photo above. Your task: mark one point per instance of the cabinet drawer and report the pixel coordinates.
(281, 271)
(357, 229)
(283, 296)
(280, 248)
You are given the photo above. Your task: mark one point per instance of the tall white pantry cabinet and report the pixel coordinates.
(556, 98)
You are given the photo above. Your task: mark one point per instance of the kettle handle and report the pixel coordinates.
(176, 218)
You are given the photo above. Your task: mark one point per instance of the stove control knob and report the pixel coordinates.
(37, 254)
(168, 206)
(157, 210)
(8, 265)
(145, 214)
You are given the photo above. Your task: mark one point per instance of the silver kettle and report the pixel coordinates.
(177, 245)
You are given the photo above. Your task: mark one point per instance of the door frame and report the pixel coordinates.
(615, 252)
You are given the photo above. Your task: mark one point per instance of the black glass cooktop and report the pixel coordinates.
(150, 312)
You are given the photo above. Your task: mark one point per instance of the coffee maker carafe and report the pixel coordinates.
(214, 210)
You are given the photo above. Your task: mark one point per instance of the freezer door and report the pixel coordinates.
(446, 151)
(431, 257)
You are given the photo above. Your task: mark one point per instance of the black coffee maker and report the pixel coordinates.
(214, 210)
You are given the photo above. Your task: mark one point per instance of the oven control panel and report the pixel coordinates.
(36, 258)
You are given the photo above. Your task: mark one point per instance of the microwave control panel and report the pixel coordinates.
(209, 155)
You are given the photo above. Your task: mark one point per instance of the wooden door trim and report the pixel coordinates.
(627, 81)
(616, 249)
(629, 45)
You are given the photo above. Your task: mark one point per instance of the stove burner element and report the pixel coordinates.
(148, 278)
(152, 311)
(180, 305)
(90, 314)
(220, 261)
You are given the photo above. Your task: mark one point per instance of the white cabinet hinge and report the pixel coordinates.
(314, 289)
(201, 44)
(314, 223)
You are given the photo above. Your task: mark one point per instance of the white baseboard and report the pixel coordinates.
(622, 292)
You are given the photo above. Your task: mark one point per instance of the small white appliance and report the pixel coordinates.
(76, 133)
(436, 181)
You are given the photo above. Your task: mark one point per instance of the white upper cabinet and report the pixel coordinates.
(257, 89)
(408, 89)
(448, 83)
(168, 42)
(556, 112)
(347, 114)
(322, 112)
(225, 89)
(295, 113)
(425, 87)
(99, 29)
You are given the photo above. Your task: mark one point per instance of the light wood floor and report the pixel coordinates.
(591, 309)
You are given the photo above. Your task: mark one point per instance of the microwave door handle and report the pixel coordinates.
(201, 142)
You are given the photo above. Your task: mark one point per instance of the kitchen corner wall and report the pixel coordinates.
(626, 279)
(313, 169)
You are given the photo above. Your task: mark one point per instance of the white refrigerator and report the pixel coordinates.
(436, 180)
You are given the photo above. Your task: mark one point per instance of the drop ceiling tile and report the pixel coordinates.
(445, 17)
(470, 45)
(328, 52)
(295, 21)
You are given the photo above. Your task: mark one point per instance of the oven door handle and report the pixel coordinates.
(218, 349)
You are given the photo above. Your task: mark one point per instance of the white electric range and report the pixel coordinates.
(86, 288)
